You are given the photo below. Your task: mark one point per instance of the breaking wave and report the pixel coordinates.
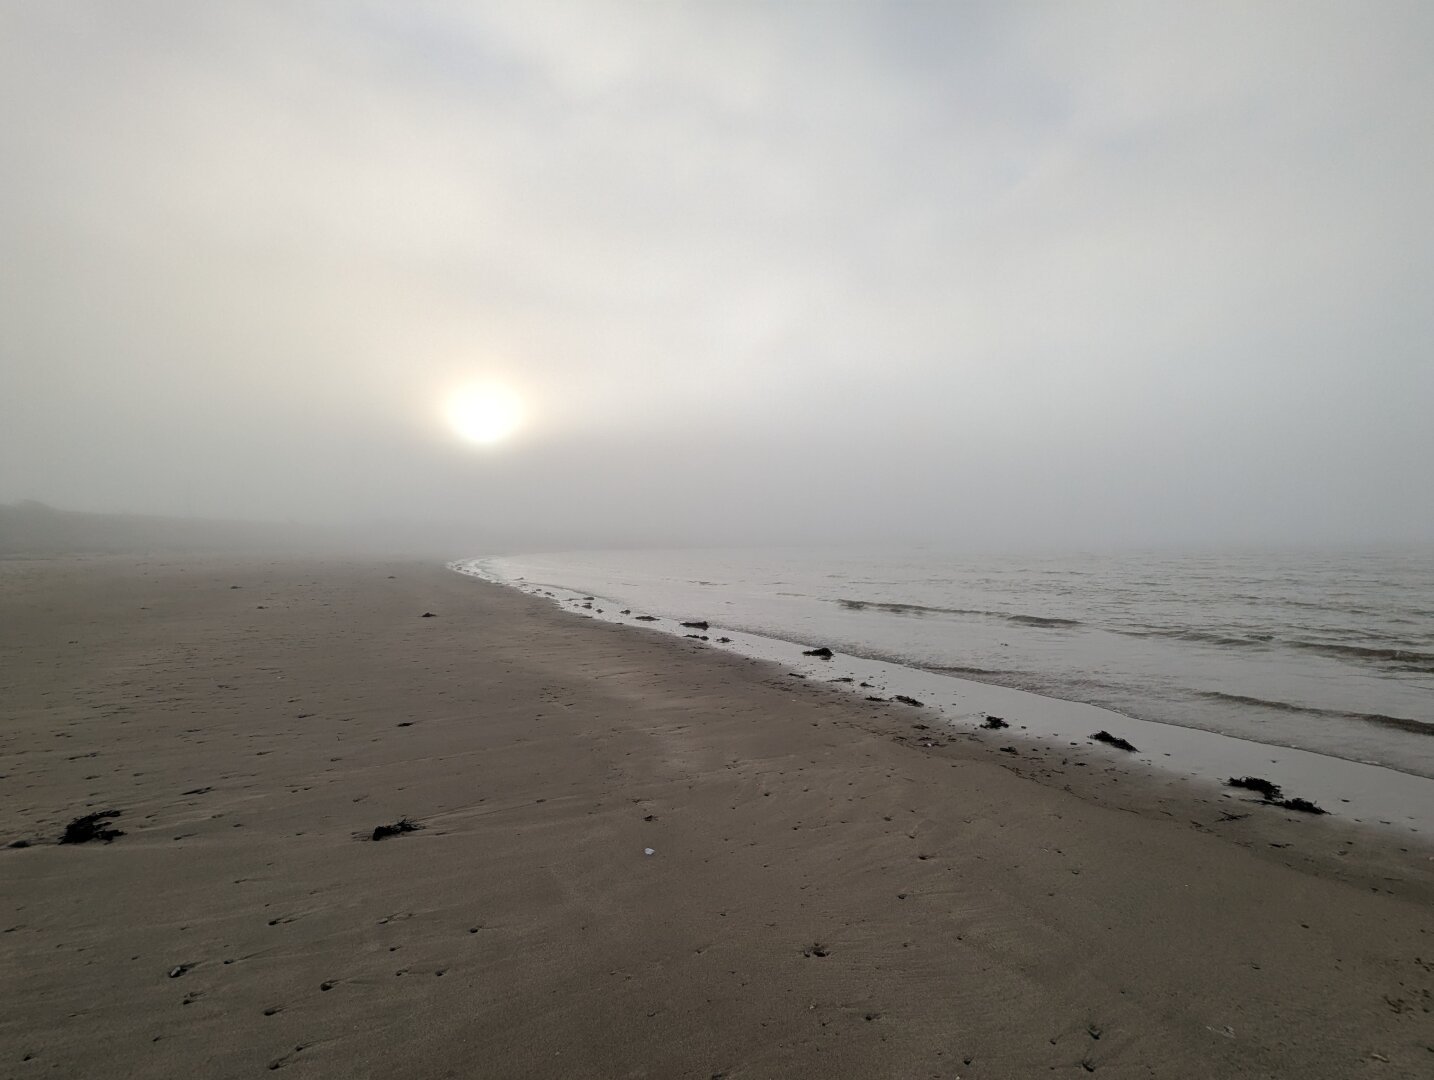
(1402, 723)
(1406, 659)
(922, 609)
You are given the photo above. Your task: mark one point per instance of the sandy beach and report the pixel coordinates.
(825, 895)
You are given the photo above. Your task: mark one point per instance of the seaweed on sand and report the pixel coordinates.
(1114, 740)
(91, 827)
(398, 828)
(1304, 806)
(1266, 788)
(1270, 792)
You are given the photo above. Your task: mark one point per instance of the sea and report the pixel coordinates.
(1330, 652)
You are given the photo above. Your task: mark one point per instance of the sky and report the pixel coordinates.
(1039, 275)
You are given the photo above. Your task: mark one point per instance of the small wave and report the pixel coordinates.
(1208, 637)
(1406, 659)
(1316, 605)
(1411, 660)
(1033, 620)
(957, 669)
(1401, 723)
(922, 609)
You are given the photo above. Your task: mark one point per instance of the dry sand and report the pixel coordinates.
(825, 899)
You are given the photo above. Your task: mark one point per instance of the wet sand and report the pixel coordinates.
(827, 896)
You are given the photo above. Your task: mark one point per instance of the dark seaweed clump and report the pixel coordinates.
(1267, 788)
(1114, 740)
(398, 828)
(906, 700)
(92, 827)
(1271, 793)
(995, 723)
(1304, 806)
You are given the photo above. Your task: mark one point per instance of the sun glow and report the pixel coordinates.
(484, 413)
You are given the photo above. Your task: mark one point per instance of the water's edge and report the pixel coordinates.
(1353, 791)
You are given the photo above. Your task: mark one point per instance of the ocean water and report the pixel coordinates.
(1331, 652)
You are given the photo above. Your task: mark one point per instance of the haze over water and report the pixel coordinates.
(1330, 651)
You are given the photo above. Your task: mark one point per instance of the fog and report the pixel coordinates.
(978, 274)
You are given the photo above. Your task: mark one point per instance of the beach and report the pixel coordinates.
(830, 889)
(1325, 650)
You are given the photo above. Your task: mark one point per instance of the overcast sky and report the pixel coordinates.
(977, 274)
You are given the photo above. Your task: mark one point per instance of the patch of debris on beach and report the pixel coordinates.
(1259, 784)
(1271, 793)
(398, 828)
(92, 827)
(1304, 806)
(1115, 741)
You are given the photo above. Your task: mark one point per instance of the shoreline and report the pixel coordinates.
(1200, 650)
(1376, 796)
(832, 892)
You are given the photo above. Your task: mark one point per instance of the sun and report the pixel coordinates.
(484, 413)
